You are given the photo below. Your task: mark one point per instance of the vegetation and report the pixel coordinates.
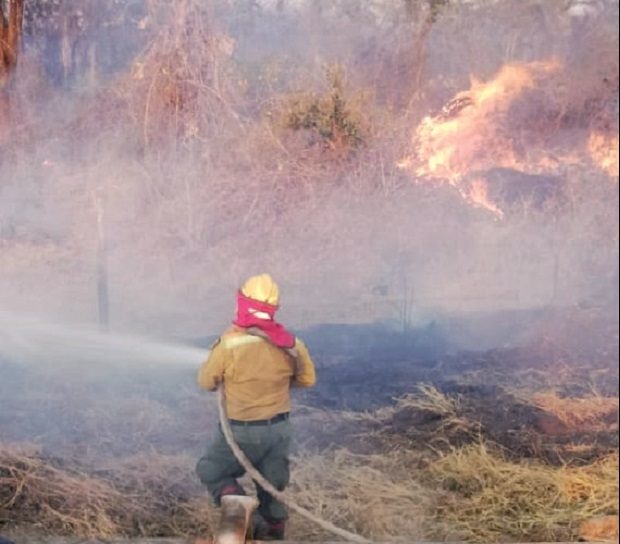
(10, 33)
(204, 139)
(329, 117)
(179, 146)
(450, 459)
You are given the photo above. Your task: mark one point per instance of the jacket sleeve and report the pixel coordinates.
(211, 373)
(305, 375)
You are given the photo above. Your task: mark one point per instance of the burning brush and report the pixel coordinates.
(508, 123)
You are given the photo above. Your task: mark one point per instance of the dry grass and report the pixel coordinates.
(377, 496)
(123, 468)
(59, 500)
(426, 398)
(592, 412)
(142, 495)
(473, 492)
(599, 529)
(494, 498)
(427, 410)
(430, 399)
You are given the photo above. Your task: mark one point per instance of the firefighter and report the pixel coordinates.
(257, 360)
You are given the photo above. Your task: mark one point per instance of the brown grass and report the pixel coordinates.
(378, 496)
(494, 498)
(142, 495)
(593, 412)
(599, 529)
(407, 491)
(428, 398)
(59, 500)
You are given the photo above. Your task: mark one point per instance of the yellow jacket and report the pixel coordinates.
(257, 375)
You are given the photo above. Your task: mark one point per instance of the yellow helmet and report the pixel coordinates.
(262, 288)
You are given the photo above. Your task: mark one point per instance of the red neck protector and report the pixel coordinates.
(246, 318)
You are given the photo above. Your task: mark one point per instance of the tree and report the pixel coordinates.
(11, 17)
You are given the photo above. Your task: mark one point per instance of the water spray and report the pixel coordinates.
(42, 343)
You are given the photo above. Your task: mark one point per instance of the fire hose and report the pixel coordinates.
(267, 486)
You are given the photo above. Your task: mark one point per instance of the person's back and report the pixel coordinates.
(257, 375)
(256, 361)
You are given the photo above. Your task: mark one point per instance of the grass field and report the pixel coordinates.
(458, 454)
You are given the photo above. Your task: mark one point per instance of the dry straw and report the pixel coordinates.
(493, 498)
(593, 412)
(139, 496)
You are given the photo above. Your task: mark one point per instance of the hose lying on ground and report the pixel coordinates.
(260, 479)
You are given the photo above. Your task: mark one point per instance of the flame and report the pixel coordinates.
(469, 135)
(472, 134)
(495, 124)
(477, 194)
(603, 149)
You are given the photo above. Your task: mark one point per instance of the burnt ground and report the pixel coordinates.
(362, 370)
(486, 407)
(488, 387)
(141, 433)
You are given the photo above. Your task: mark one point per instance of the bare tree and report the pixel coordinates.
(11, 17)
(421, 15)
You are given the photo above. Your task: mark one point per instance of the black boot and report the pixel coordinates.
(267, 531)
(260, 528)
(276, 530)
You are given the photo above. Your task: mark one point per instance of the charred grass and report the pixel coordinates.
(444, 460)
(517, 444)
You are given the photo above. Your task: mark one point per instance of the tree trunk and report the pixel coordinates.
(10, 33)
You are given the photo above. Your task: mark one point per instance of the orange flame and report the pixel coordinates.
(603, 149)
(477, 194)
(480, 129)
(468, 135)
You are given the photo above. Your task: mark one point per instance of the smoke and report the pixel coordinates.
(172, 120)
(70, 348)
(154, 154)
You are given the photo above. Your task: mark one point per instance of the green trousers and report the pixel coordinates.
(267, 447)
